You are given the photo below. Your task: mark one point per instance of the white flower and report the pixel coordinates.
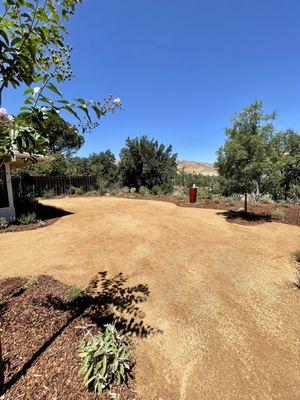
(3, 112)
(117, 102)
(36, 90)
(10, 118)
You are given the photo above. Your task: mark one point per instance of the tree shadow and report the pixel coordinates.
(297, 281)
(245, 218)
(105, 300)
(109, 299)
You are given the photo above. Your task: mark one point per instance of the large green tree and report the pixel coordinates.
(145, 162)
(244, 159)
(284, 171)
(34, 54)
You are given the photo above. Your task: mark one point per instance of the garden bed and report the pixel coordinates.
(41, 332)
(44, 216)
(257, 214)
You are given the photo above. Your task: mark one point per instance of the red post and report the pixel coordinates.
(193, 194)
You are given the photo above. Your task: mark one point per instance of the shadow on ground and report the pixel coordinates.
(42, 211)
(246, 219)
(105, 300)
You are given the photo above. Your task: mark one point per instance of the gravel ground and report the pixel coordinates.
(221, 319)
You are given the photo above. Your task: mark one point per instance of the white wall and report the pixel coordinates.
(8, 212)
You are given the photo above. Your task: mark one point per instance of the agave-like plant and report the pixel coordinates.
(105, 360)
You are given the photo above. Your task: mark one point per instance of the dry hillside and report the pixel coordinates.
(195, 167)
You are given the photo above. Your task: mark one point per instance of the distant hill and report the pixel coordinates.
(195, 167)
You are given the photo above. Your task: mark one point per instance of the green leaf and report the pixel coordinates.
(70, 110)
(4, 35)
(54, 89)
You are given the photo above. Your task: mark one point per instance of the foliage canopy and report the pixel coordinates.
(145, 162)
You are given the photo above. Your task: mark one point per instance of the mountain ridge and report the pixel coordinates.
(196, 167)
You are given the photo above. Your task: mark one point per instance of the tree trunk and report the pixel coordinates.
(1, 369)
(286, 190)
(246, 201)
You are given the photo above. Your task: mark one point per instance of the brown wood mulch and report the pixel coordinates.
(29, 227)
(40, 332)
(257, 214)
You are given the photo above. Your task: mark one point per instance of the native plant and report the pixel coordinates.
(48, 194)
(74, 293)
(31, 282)
(3, 223)
(157, 189)
(105, 359)
(78, 191)
(27, 219)
(144, 191)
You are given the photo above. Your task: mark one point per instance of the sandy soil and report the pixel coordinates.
(220, 293)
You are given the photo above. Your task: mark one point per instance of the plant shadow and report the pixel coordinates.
(105, 300)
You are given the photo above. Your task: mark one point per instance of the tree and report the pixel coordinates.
(244, 157)
(284, 151)
(34, 53)
(104, 165)
(62, 137)
(145, 162)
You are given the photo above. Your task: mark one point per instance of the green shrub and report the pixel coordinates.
(92, 193)
(217, 198)
(27, 219)
(144, 191)
(74, 293)
(31, 282)
(48, 194)
(3, 223)
(230, 201)
(297, 256)
(279, 212)
(266, 199)
(114, 189)
(71, 190)
(25, 204)
(203, 193)
(78, 191)
(132, 190)
(101, 185)
(105, 360)
(157, 190)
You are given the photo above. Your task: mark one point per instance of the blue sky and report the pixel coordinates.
(182, 68)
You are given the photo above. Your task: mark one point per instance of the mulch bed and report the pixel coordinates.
(46, 215)
(41, 331)
(257, 214)
(15, 227)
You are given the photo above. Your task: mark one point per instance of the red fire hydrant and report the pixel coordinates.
(193, 194)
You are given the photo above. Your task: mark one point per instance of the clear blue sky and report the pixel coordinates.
(182, 68)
